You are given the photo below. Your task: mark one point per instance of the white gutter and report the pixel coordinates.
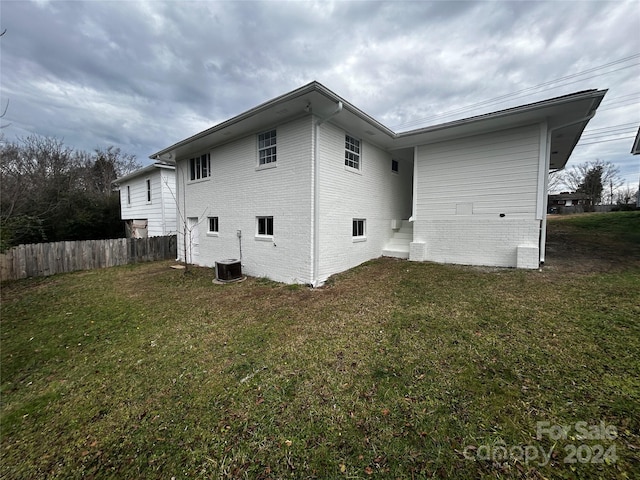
(545, 196)
(315, 282)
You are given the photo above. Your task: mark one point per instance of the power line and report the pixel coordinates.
(518, 94)
(490, 102)
(580, 144)
(612, 131)
(630, 124)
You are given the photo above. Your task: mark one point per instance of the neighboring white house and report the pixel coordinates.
(147, 201)
(307, 185)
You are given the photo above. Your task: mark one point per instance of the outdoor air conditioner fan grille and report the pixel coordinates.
(228, 270)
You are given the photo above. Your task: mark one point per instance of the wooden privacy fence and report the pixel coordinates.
(42, 259)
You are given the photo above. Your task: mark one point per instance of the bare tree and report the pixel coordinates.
(103, 167)
(556, 184)
(186, 227)
(625, 195)
(574, 178)
(51, 192)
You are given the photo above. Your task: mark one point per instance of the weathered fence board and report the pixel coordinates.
(43, 259)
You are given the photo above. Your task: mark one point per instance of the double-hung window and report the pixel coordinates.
(148, 190)
(352, 152)
(358, 229)
(265, 226)
(200, 167)
(267, 148)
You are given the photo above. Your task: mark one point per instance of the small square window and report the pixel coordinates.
(213, 224)
(359, 227)
(394, 166)
(265, 226)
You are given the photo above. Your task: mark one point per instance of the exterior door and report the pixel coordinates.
(193, 241)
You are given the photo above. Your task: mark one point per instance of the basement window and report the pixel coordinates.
(265, 226)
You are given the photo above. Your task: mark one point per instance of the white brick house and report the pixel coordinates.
(147, 203)
(307, 185)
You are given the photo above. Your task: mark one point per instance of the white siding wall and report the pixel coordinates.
(238, 192)
(463, 187)
(160, 216)
(375, 194)
(167, 195)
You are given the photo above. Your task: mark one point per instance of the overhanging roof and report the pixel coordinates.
(567, 116)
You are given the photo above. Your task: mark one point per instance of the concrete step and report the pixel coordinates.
(394, 252)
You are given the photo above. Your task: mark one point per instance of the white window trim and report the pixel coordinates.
(348, 167)
(128, 195)
(363, 237)
(148, 193)
(201, 179)
(272, 164)
(266, 166)
(211, 233)
(395, 172)
(261, 236)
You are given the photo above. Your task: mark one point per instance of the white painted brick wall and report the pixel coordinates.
(375, 194)
(238, 192)
(481, 177)
(477, 241)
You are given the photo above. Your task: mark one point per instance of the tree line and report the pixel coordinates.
(51, 192)
(597, 180)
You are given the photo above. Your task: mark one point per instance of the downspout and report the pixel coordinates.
(545, 196)
(414, 192)
(315, 282)
(162, 210)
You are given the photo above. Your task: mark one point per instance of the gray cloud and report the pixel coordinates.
(142, 75)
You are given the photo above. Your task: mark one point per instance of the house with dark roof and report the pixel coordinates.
(569, 202)
(307, 185)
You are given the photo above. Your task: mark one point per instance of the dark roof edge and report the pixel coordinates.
(304, 90)
(318, 87)
(593, 93)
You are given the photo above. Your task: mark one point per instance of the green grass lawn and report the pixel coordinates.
(394, 369)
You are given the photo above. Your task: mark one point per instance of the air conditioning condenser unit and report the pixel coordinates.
(229, 270)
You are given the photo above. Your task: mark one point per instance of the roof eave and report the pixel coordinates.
(166, 154)
(142, 171)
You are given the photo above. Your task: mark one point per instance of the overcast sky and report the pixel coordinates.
(144, 75)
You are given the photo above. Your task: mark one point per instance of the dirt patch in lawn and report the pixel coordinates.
(573, 246)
